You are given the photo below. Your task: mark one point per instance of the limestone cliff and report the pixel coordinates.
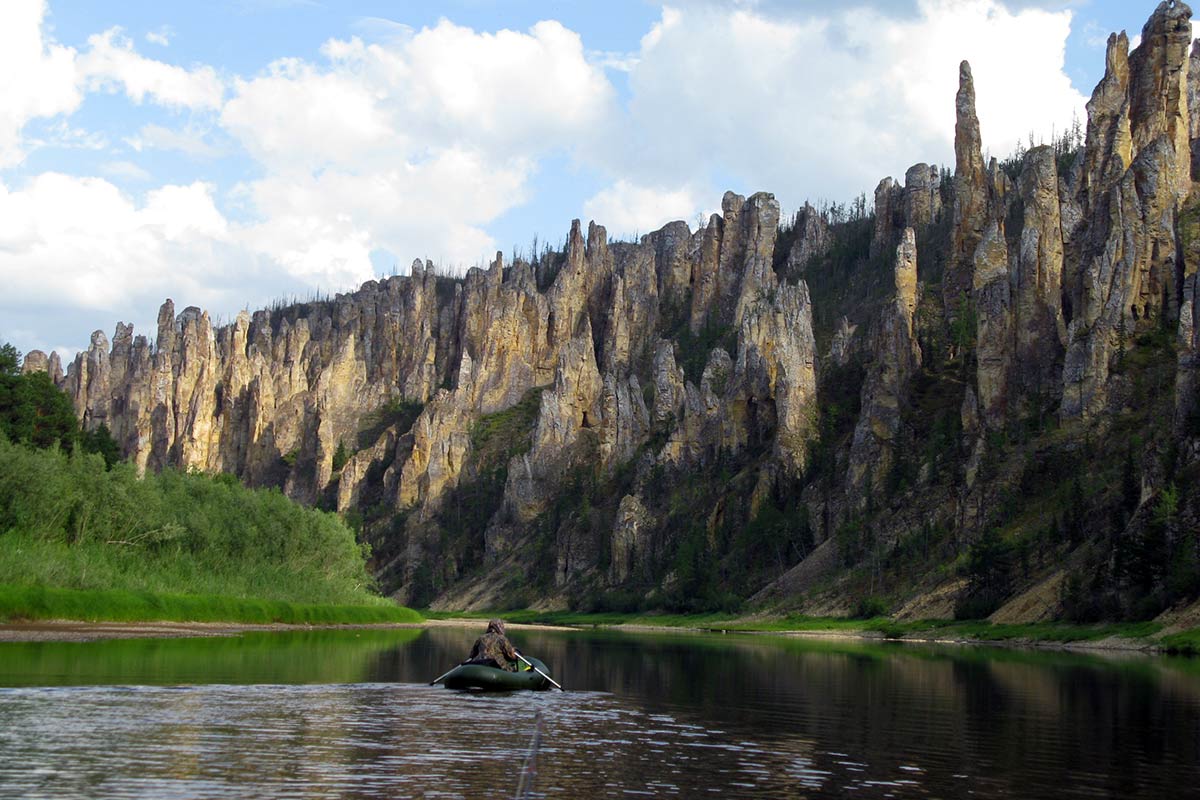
(649, 423)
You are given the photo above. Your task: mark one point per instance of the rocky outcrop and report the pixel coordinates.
(922, 196)
(1193, 100)
(1158, 93)
(629, 540)
(970, 197)
(1187, 379)
(994, 323)
(1137, 173)
(897, 356)
(813, 239)
(569, 408)
(1037, 271)
(735, 264)
(842, 343)
(775, 375)
(35, 361)
(889, 206)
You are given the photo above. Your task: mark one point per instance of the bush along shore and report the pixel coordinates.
(86, 539)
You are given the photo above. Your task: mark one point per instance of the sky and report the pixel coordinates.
(229, 153)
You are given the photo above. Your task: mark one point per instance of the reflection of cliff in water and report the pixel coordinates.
(672, 714)
(1024, 714)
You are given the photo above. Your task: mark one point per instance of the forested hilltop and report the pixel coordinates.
(978, 397)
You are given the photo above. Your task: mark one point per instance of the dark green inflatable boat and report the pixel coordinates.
(491, 679)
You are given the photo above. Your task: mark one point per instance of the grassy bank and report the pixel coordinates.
(80, 540)
(30, 603)
(972, 630)
(1184, 643)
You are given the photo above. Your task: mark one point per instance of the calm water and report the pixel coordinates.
(350, 715)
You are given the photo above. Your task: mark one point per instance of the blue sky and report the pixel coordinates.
(227, 153)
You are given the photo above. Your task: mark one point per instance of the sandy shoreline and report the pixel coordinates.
(74, 631)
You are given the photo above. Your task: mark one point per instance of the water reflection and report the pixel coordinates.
(349, 714)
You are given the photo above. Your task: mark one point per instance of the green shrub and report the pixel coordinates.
(870, 607)
(68, 522)
(340, 457)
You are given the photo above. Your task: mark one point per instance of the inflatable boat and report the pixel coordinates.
(481, 678)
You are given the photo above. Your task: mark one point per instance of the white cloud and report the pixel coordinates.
(823, 105)
(626, 209)
(506, 94)
(189, 141)
(59, 133)
(37, 76)
(111, 62)
(125, 170)
(410, 146)
(300, 117)
(323, 228)
(84, 243)
(160, 37)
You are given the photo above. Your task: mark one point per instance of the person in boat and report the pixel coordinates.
(493, 649)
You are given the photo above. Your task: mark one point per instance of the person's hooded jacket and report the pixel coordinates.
(495, 646)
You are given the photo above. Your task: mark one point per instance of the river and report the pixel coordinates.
(350, 714)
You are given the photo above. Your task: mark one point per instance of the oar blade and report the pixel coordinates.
(553, 682)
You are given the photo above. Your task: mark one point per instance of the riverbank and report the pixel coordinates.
(28, 604)
(1149, 637)
(76, 631)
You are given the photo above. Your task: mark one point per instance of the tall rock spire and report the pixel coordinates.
(970, 196)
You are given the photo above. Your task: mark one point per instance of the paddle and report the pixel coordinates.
(443, 677)
(539, 672)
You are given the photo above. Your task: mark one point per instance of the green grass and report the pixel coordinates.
(580, 619)
(1183, 643)
(80, 541)
(28, 603)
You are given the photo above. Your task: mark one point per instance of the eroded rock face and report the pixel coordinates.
(897, 357)
(1158, 94)
(669, 391)
(629, 544)
(1040, 333)
(842, 344)
(970, 197)
(1187, 379)
(35, 361)
(922, 195)
(812, 239)
(1193, 100)
(993, 309)
(1136, 175)
(776, 373)
(889, 201)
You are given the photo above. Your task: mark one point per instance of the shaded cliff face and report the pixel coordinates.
(653, 419)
